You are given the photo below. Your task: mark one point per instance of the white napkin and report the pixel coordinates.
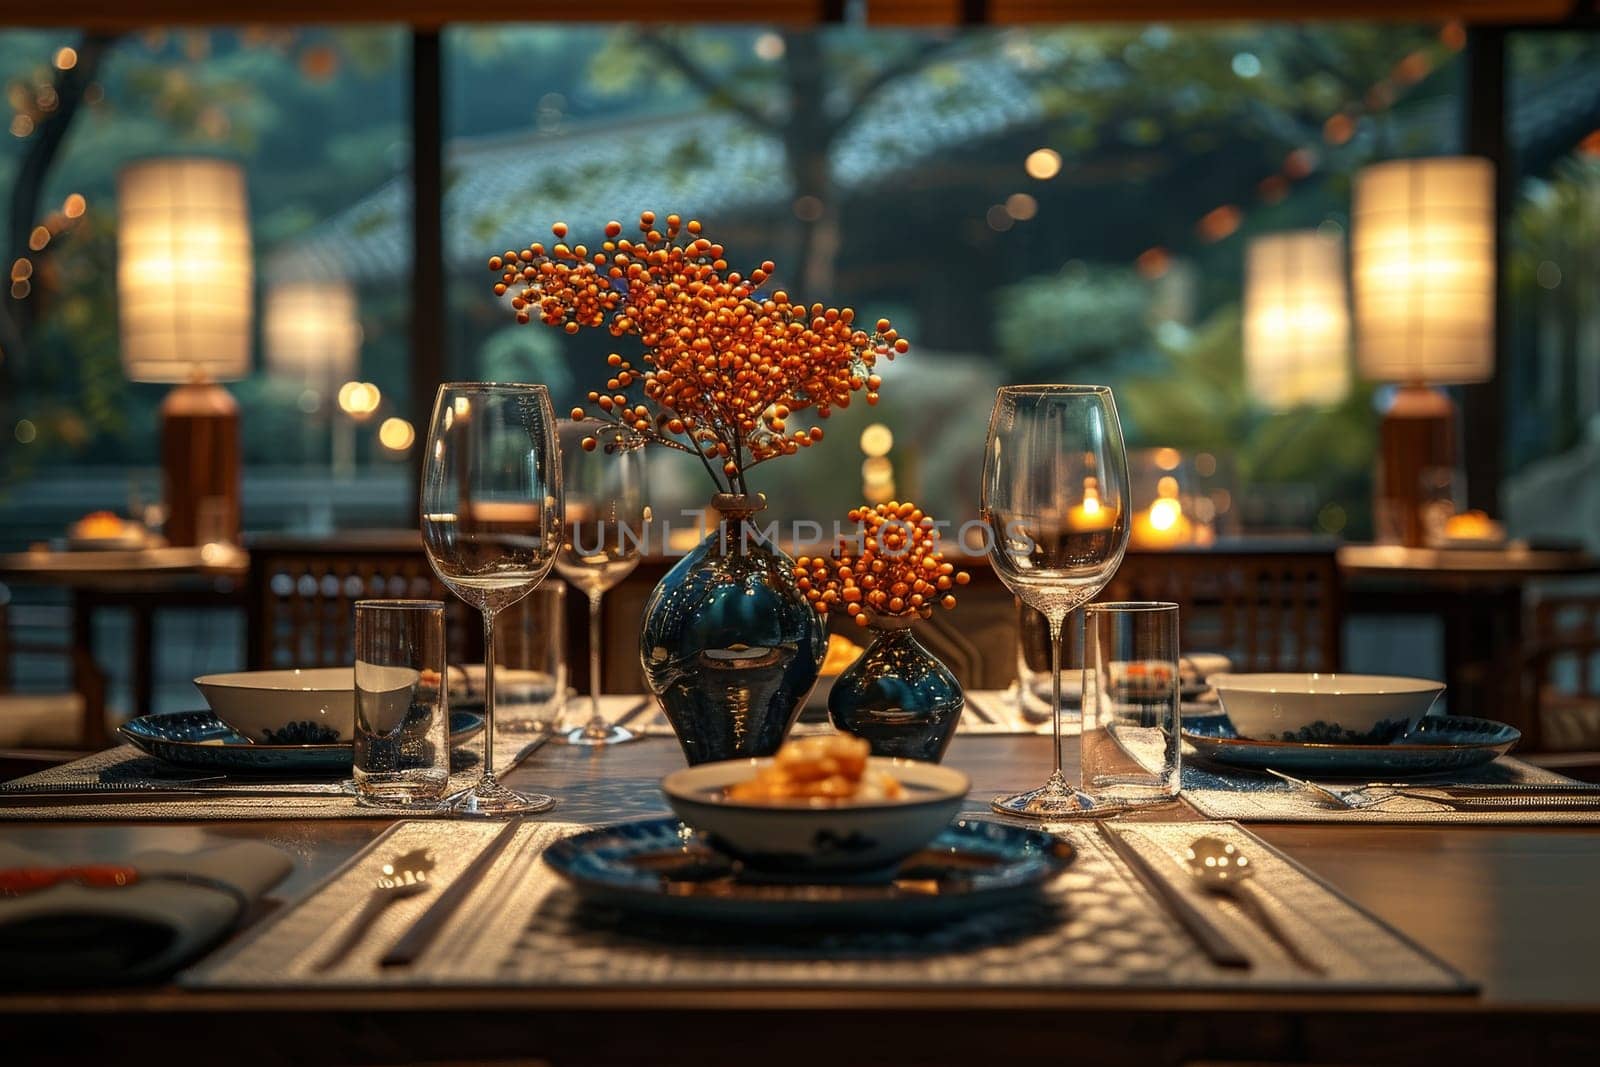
(72, 934)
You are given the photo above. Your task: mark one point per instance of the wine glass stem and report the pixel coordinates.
(1057, 630)
(595, 719)
(488, 696)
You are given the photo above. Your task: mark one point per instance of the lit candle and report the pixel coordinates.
(1091, 514)
(1164, 524)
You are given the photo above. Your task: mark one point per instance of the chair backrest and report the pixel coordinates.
(303, 594)
(1267, 611)
(1563, 671)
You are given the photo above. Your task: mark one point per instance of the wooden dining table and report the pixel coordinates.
(1511, 908)
(144, 582)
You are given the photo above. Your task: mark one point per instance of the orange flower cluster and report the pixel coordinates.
(724, 368)
(898, 572)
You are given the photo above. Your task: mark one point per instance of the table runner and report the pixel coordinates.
(1095, 927)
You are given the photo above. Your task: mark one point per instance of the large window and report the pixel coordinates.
(318, 120)
(1552, 276)
(1042, 204)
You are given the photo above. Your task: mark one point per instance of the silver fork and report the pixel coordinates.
(1526, 795)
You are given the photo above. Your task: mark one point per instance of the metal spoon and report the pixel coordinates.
(1221, 868)
(404, 876)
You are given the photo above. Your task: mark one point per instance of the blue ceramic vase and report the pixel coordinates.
(729, 644)
(898, 696)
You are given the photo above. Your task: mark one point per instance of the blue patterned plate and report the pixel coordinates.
(200, 740)
(1439, 743)
(661, 867)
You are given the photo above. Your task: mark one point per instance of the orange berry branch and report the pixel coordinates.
(724, 367)
(898, 572)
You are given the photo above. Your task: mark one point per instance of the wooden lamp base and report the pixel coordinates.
(1416, 437)
(200, 464)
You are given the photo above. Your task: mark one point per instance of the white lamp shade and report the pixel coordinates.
(312, 331)
(1296, 321)
(1423, 264)
(185, 273)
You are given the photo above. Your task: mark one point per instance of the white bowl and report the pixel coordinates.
(315, 705)
(828, 839)
(1343, 708)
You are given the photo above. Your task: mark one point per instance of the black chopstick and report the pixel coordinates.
(1222, 951)
(416, 940)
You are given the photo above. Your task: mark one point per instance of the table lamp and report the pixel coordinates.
(1296, 321)
(1423, 266)
(185, 278)
(312, 331)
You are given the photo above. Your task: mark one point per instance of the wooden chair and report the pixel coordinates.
(302, 595)
(1562, 674)
(43, 722)
(1265, 610)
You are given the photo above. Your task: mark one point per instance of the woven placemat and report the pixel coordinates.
(1095, 927)
(269, 799)
(1249, 797)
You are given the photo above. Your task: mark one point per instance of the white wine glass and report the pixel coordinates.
(491, 507)
(1056, 504)
(603, 474)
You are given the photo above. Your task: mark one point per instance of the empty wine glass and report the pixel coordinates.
(491, 525)
(1055, 500)
(602, 472)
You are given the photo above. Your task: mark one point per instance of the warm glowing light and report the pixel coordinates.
(1153, 262)
(38, 238)
(1165, 513)
(396, 435)
(1021, 206)
(312, 332)
(22, 269)
(877, 440)
(1168, 458)
(1423, 270)
(1219, 222)
(359, 399)
(1043, 163)
(74, 205)
(1092, 513)
(66, 58)
(769, 46)
(1296, 323)
(185, 281)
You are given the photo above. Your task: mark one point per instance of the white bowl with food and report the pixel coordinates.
(285, 707)
(822, 808)
(1325, 708)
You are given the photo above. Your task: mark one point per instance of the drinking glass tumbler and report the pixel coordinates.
(1131, 725)
(402, 735)
(530, 657)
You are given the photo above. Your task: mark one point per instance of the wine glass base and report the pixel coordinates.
(1056, 800)
(603, 734)
(489, 799)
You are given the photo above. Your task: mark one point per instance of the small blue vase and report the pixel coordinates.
(898, 696)
(729, 644)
